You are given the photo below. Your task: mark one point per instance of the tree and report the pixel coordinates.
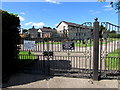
(10, 40)
(117, 5)
(114, 35)
(25, 30)
(54, 29)
(113, 31)
(47, 27)
(113, 4)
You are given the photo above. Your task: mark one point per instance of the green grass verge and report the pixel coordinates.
(77, 44)
(109, 40)
(112, 61)
(25, 55)
(25, 59)
(80, 44)
(83, 45)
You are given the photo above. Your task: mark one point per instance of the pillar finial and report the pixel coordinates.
(96, 19)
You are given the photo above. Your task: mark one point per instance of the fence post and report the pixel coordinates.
(96, 49)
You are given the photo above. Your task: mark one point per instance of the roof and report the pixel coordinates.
(70, 24)
(32, 28)
(47, 30)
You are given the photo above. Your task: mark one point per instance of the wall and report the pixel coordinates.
(60, 28)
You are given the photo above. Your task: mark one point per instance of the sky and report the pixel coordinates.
(54, 1)
(51, 13)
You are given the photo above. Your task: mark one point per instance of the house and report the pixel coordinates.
(73, 30)
(32, 32)
(47, 33)
(41, 33)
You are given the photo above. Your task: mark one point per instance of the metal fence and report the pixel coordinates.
(89, 57)
(110, 50)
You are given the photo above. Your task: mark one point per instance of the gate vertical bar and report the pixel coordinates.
(48, 58)
(96, 49)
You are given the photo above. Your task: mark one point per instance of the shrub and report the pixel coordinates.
(114, 35)
(10, 40)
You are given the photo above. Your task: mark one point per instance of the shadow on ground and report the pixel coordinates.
(24, 78)
(36, 71)
(40, 70)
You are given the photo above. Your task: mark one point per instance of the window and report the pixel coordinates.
(76, 34)
(38, 34)
(63, 27)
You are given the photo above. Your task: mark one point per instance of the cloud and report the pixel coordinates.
(108, 9)
(52, 1)
(22, 13)
(107, 6)
(94, 12)
(21, 18)
(28, 23)
(40, 24)
(56, 24)
(101, 0)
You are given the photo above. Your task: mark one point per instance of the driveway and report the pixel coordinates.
(24, 80)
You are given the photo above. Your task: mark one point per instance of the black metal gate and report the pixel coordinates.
(109, 65)
(74, 53)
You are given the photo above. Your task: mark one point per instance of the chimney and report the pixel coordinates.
(33, 27)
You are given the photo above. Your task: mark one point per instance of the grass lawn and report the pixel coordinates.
(110, 40)
(77, 44)
(80, 44)
(112, 61)
(25, 58)
(25, 55)
(83, 45)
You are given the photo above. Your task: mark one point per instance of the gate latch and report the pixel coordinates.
(48, 53)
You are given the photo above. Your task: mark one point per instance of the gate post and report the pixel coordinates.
(95, 49)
